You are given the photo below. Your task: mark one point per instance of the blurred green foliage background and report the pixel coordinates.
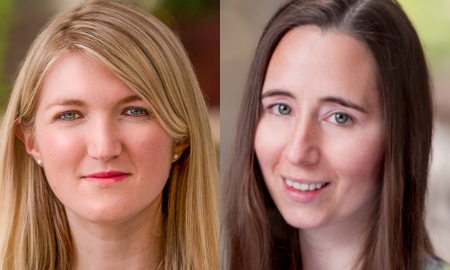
(191, 8)
(6, 7)
(432, 22)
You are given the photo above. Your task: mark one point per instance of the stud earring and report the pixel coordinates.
(39, 162)
(175, 156)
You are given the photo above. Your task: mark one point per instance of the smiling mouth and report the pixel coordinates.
(304, 186)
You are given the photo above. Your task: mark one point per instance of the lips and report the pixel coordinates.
(304, 186)
(303, 190)
(106, 178)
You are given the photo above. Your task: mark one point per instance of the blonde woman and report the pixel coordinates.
(106, 156)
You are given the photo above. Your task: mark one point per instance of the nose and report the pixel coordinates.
(303, 147)
(104, 140)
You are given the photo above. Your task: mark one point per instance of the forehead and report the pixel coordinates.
(308, 59)
(79, 77)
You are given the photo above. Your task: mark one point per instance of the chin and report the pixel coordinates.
(103, 213)
(107, 215)
(109, 210)
(299, 219)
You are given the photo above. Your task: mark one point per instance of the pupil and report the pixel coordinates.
(284, 109)
(341, 118)
(69, 115)
(135, 111)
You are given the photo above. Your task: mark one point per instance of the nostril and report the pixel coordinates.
(302, 154)
(104, 146)
(303, 145)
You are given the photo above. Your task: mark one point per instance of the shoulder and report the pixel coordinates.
(434, 263)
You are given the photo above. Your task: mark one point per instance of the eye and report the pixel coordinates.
(340, 118)
(281, 109)
(136, 112)
(68, 116)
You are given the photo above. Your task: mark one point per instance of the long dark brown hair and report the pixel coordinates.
(254, 234)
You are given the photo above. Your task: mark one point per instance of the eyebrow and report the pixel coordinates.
(343, 102)
(337, 100)
(80, 103)
(277, 93)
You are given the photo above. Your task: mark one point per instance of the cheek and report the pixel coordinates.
(269, 145)
(266, 148)
(151, 150)
(358, 158)
(59, 149)
(62, 151)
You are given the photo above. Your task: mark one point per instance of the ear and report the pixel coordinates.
(18, 130)
(178, 149)
(27, 138)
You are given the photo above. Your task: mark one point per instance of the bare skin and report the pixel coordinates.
(107, 159)
(319, 142)
(132, 245)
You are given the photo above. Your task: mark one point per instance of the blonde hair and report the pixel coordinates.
(144, 54)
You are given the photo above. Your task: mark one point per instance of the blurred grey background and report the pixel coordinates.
(241, 25)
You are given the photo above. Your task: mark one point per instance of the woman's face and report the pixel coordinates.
(319, 141)
(104, 153)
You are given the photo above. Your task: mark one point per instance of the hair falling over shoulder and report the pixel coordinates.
(143, 53)
(254, 234)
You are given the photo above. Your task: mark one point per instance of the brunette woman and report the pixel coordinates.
(330, 162)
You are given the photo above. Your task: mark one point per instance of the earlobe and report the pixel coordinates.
(178, 149)
(27, 139)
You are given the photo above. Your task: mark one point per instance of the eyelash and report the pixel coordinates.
(145, 112)
(347, 123)
(274, 106)
(60, 116)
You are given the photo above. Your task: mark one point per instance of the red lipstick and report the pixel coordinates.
(106, 178)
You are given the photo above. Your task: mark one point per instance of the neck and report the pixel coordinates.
(134, 244)
(337, 246)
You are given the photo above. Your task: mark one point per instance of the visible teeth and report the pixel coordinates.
(304, 187)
